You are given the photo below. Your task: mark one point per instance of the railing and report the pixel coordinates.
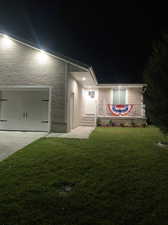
(127, 110)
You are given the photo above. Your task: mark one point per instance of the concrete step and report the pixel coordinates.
(90, 117)
(88, 124)
(89, 121)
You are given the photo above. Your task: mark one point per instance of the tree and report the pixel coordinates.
(156, 77)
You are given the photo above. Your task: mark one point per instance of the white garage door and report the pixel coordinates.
(24, 110)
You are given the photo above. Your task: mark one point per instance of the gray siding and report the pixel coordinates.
(19, 65)
(105, 95)
(135, 96)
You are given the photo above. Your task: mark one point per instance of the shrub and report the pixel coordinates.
(144, 125)
(110, 123)
(121, 124)
(133, 124)
(98, 122)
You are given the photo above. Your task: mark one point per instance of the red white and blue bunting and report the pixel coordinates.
(120, 110)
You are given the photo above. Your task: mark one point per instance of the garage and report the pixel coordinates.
(24, 109)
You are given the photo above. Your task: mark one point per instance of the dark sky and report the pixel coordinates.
(114, 38)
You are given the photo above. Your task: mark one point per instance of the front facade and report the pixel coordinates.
(40, 91)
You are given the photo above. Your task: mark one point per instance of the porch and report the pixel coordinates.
(121, 105)
(128, 115)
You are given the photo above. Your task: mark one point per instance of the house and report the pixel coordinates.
(41, 91)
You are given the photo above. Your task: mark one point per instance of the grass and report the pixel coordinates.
(119, 177)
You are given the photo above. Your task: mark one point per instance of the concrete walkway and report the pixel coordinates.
(11, 141)
(79, 133)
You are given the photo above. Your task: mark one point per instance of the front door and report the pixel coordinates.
(24, 110)
(90, 103)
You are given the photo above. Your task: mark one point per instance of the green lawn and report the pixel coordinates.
(119, 177)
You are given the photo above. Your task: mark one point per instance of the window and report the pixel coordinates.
(119, 96)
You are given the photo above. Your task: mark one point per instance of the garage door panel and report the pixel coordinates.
(36, 110)
(11, 115)
(24, 110)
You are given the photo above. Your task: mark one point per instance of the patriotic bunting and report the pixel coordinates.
(120, 110)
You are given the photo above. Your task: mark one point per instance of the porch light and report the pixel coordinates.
(6, 42)
(83, 78)
(42, 57)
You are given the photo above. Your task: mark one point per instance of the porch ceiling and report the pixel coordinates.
(84, 78)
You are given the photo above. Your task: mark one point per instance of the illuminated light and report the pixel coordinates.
(42, 51)
(6, 42)
(83, 78)
(42, 57)
(5, 36)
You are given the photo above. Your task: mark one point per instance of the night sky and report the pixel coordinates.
(116, 39)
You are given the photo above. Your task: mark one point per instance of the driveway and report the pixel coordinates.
(11, 141)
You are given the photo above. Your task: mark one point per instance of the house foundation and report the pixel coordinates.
(123, 122)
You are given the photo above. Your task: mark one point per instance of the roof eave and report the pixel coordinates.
(93, 75)
(66, 59)
(122, 85)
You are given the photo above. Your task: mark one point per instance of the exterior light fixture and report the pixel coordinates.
(5, 36)
(83, 78)
(42, 57)
(6, 42)
(42, 51)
